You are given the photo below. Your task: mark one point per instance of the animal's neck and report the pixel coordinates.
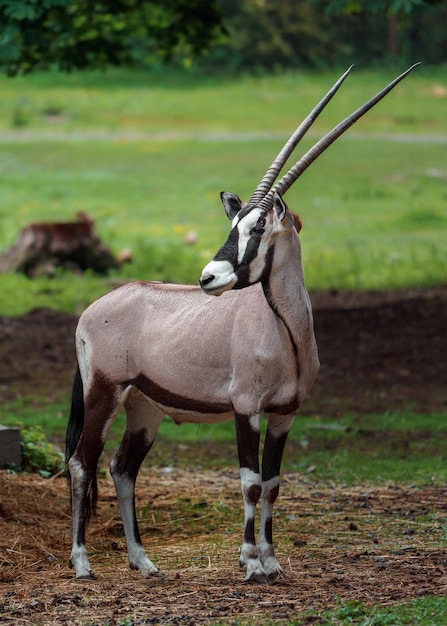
(284, 288)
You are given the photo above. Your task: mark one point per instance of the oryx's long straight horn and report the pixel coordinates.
(311, 155)
(272, 173)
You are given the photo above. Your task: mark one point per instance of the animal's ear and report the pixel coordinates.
(232, 203)
(297, 221)
(280, 206)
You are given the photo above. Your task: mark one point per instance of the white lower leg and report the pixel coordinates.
(265, 543)
(251, 490)
(138, 558)
(78, 558)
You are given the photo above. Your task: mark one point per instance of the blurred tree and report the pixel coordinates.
(263, 35)
(278, 34)
(274, 34)
(403, 16)
(403, 7)
(37, 34)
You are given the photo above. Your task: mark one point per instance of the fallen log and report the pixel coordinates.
(43, 247)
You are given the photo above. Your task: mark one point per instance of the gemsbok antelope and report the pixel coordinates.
(161, 349)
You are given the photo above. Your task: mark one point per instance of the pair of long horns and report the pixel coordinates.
(263, 195)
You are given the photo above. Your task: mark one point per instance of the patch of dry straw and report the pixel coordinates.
(374, 544)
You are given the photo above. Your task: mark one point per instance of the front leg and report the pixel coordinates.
(277, 431)
(247, 435)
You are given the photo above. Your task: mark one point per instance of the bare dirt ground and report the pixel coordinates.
(377, 544)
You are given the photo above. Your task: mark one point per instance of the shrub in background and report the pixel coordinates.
(38, 454)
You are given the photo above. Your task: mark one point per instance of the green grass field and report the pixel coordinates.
(169, 102)
(147, 158)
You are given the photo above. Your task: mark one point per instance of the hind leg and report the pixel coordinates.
(101, 405)
(143, 420)
(83, 492)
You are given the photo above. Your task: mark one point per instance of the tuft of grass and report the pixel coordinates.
(429, 611)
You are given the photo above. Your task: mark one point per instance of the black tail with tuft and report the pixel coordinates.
(74, 431)
(76, 419)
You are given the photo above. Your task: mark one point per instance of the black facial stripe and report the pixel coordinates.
(268, 265)
(243, 275)
(243, 269)
(253, 243)
(251, 250)
(229, 250)
(243, 272)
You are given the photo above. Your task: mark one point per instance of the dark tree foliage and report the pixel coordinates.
(405, 29)
(392, 7)
(279, 34)
(236, 35)
(275, 34)
(37, 34)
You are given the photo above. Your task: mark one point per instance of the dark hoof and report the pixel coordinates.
(155, 575)
(90, 576)
(258, 579)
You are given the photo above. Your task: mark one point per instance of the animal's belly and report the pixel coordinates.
(189, 417)
(286, 406)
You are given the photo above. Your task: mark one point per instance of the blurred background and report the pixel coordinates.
(137, 116)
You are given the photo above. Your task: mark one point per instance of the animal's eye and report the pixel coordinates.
(257, 230)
